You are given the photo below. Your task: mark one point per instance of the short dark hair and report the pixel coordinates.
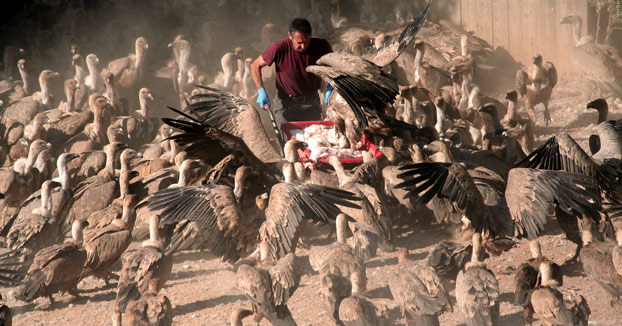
(300, 25)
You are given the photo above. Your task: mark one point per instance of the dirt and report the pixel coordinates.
(203, 290)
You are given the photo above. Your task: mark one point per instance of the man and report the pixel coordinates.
(296, 98)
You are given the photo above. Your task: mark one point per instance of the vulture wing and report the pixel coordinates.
(211, 144)
(562, 153)
(285, 279)
(291, 202)
(451, 181)
(531, 194)
(215, 211)
(384, 54)
(364, 86)
(235, 116)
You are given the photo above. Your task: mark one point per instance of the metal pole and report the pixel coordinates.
(277, 130)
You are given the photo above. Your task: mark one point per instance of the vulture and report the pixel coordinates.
(536, 86)
(526, 279)
(350, 310)
(477, 290)
(56, 268)
(597, 261)
(233, 115)
(216, 209)
(529, 196)
(554, 307)
(561, 152)
(144, 270)
(231, 234)
(599, 64)
(363, 91)
(601, 106)
(419, 291)
(130, 70)
(104, 245)
(269, 289)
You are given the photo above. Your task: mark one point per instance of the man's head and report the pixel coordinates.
(300, 34)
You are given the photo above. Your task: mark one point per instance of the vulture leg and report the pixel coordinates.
(529, 109)
(574, 258)
(74, 293)
(547, 115)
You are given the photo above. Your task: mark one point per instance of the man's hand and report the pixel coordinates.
(262, 99)
(329, 91)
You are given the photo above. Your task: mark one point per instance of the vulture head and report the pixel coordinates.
(537, 59)
(92, 60)
(511, 96)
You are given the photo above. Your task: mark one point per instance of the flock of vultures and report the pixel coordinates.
(90, 175)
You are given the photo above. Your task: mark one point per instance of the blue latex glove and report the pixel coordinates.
(329, 90)
(262, 98)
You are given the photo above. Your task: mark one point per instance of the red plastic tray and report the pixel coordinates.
(304, 154)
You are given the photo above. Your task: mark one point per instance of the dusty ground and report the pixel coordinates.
(203, 290)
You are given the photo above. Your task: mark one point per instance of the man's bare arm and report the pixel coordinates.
(256, 71)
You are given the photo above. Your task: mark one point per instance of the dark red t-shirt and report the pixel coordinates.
(290, 65)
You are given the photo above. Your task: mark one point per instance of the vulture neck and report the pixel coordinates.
(97, 121)
(184, 174)
(440, 118)
(81, 74)
(63, 175)
(174, 151)
(341, 172)
(43, 161)
(46, 200)
(465, 48)
(110, 160)
(144, 108)
(140, 55)
(70, 93)
(110, 92)
(477, 248)
(125, 164)
(301, 173)
(128, 216)
(93, 75)
(416, 154)
(289, 150)
(511, 114)
(576, 30)
(238, 315)
(45, 91)
(240, 176)
(124, 185)
(31, 159)
(184, 61)
(536, 251)
(341, 224)
(76, 231)
(37, 130)
(288, 173)
(26, 84)
(603, 112)
(154, 237)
